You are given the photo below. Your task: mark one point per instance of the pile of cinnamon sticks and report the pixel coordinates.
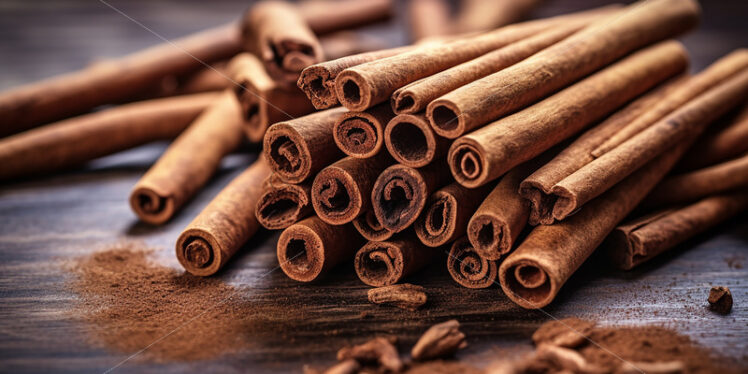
(507, 153)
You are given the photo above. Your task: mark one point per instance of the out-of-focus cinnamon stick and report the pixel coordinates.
(349, 43)
(416, 96)
(278, 34)
(370, 228)
(489, 152)
(112, 81)
(189, 162)
(342, 191)
(400, 193)
(691, 186)
(361, 134)
(220, 230)
(607, 170)
(384, 263)
(484, 100)
(641, 239)
(297, 149)
(412, 142)
(77, 140)
(282, 204)
(536, 187)
(262, 99)
(365, 85)
(447, 212)
(468, 268)
(728, 143)
(482, 15)
(428, 18)
(310, 248)
(326, 16)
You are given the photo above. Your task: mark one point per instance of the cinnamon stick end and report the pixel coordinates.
(198, 252)
(410, 140)
(527, 283)
(467, 268)
(379, 264)
(150, 206)
(335, 196)
(300, 253)
(357, 135)
(446, 119)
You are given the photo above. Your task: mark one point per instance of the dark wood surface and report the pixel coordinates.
(46, 220)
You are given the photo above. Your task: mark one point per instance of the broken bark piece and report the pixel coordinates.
(378, 350)
(440, 340)
(567, 332)
(720, 299)
(404, 296)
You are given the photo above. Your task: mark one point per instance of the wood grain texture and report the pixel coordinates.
(47, 220)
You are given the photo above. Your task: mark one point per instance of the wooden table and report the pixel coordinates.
(46, 220)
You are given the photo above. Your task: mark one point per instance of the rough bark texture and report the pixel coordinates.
(445, 217)
(412, 142)
(468, 268)
(361, 134)
(388, 262)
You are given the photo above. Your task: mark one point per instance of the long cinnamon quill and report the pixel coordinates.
(387, 262)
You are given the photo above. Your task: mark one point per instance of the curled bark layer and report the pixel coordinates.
(361, 134)
(283, 204)
(412, 142)
(387, 262)
(447, 212)
(468, 268)
(370, 228)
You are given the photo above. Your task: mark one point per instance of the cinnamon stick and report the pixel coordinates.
(428, 18)
(278, 34)
(400, 193)
(77, 140)
(361, 134)
(412, 142)
(500, 218)
(532, 275)
(487, 99)
(112, 81)
(384, 263)
(691, 186)
(365, 85)
(728, 143)
(487, 153)
(415, 96)
(342, 191)
(469, 269)
(282, 204)
(348, 43)
(226, 223)
(445, 217)
(189, 162)
(262, 99)
(481, 15)
(326, 16)
(310, 248)
(370, 228)
(299, 148)
(536, 187)
(607, 170)
(641, 239)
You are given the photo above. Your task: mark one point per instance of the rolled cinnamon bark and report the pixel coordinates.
(487, 153)
(416, 96)
(384, 263)
(481, 15)
(348, 43)
(226, 223)
(326, 16)
(412, 142)
(728, 143)
(189, 162)
(445, 217)
(641, 239)
(716, 73)
(310, 248)
(400, 193)
(428, 18)
(688, 187)
(599, 175)
(487, 99)
(263, 100)
(500, 218)
(278, 34)
(365, 85)
(536, 188)
(370, 228)
(342, 191)
(361, 134)
(77, 140)
(283, 204)
(532, 275)
(299, 148)
(468, 268)
(112, 81)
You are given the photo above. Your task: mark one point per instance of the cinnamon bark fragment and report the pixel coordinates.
(387, 262)
(440, 340)
(447, 212)
(74, 141)
(378, 350)
(412, 142)
(226, 223)
(283, 204)
(370, 228)
(468, 268)
(361, 134)
(720, 299)
(404, 296)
